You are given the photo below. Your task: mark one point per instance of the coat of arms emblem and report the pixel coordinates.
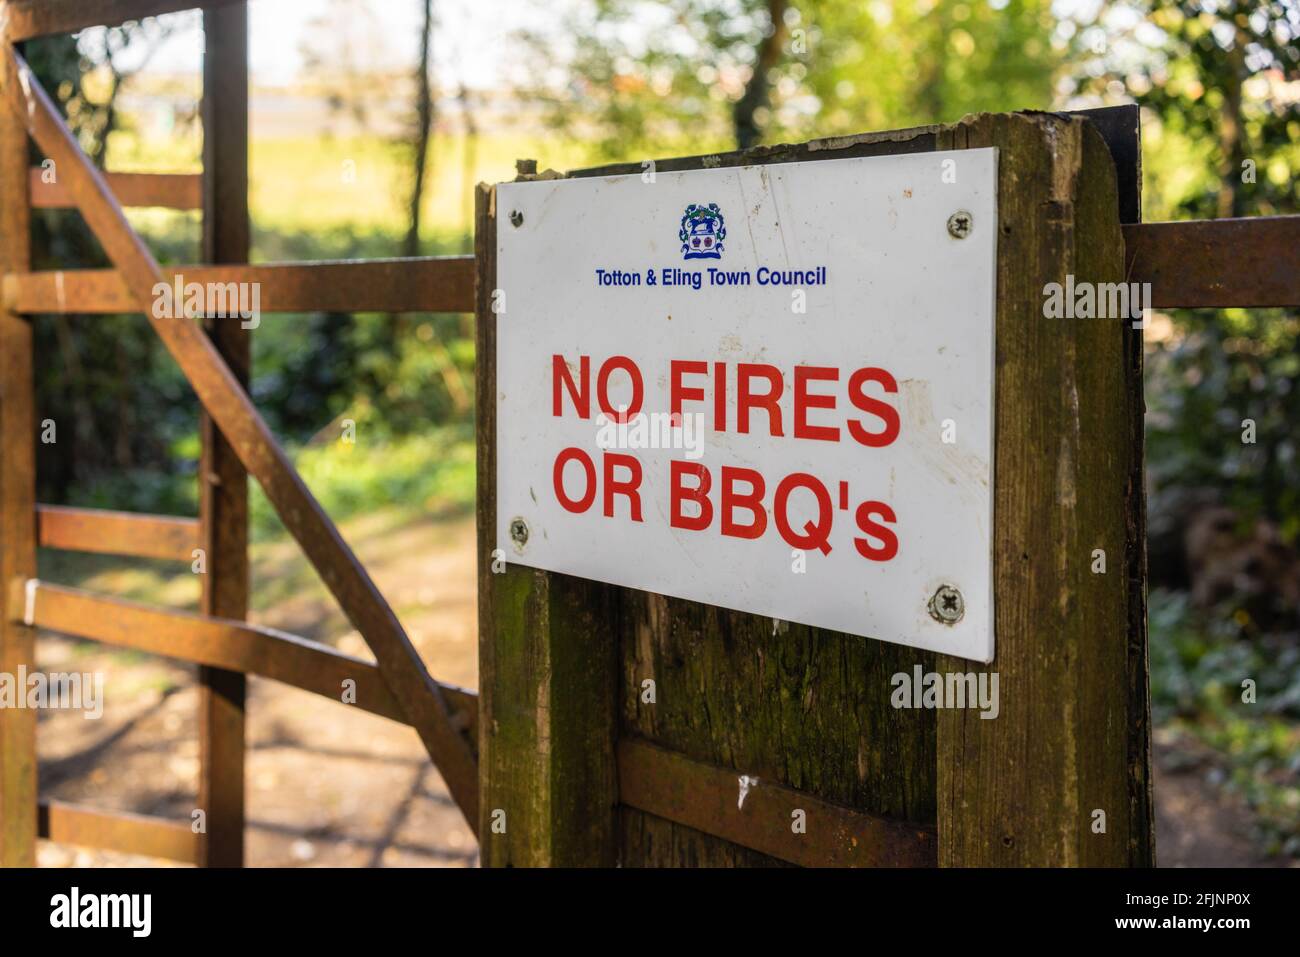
(702, 232)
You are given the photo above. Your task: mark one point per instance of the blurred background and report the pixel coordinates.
(345, 163)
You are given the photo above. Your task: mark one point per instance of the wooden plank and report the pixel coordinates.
(435, 284)
(223, 482)
(801, 707)
(547, 669)
(167, 190)
(225, 400)
(116, 533)
(1070, 739)
(918, 139)
(1217, 263)
(39, 18)
(118, 831)
(1141, 811)
(709, 799)
(1121, 128)
(230, 645)
(17, 505)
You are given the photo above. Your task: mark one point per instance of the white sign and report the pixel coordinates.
(767, 388)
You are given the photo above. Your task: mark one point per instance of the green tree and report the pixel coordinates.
(1217, 81)
(103, 377)
(635, 77)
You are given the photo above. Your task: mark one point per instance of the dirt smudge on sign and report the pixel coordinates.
(961, 468)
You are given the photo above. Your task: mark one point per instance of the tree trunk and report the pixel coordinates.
(424, 125)
(756, 95)
(1231, 134)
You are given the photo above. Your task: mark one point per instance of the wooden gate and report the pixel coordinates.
(574, 768)
(236, 443)
(754, 720)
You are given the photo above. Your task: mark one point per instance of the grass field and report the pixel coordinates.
(357, 187)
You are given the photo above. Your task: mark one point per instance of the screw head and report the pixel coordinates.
(519, 532)
(516, 218)
(947, 606)
(960, 224)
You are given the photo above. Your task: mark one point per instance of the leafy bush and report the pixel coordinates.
(1198, 665)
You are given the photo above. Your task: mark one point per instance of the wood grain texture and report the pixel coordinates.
(1216, 263)
(116, 831)
(39, 18)
(427, 284)
(17, 504)
(107, 532)
(231, 646)
(166, 190)
(223, 481)
(795, 705)
(1070, 737)
(750, 811)
(223, 397)
(547, 667)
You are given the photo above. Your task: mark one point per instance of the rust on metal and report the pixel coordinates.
(107, 532)
(761, 814)
(429, 284)
(127, 833)
(223, 397)
(1217, 263)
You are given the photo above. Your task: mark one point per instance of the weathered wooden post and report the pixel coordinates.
(1062, 777)
(548, 675)
(1004, 538)
(223, 480)
(17, 503)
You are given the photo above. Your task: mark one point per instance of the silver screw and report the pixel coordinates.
(519, 532)
(947, 606)
(960, 224)
(516, 219)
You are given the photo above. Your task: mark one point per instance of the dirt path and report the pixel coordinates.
(327, 785)
(331, 786)
(1197, 825)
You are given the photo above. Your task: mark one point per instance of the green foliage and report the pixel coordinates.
(892, 65)
(1215, 79)
(1221, 127)
(1213, 374)
(1198, 665)
(670, 84)
(431, 473)
(1221, 132)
